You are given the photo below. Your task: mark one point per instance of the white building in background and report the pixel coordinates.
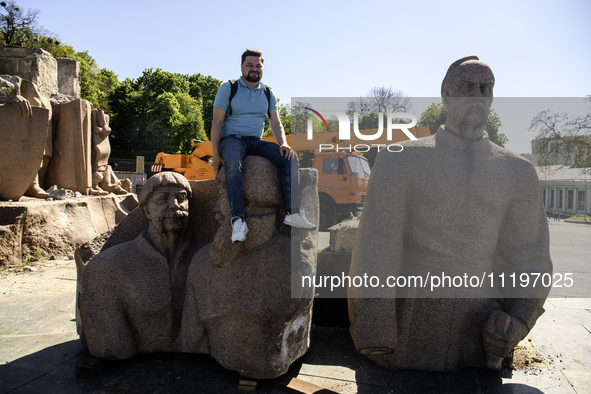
(566, 189)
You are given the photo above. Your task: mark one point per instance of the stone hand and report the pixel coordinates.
(501, 332)
(24, 106)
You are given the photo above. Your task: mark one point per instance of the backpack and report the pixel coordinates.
(234, 89)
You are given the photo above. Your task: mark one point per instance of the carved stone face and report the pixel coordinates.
(168, 209)
(468, 94)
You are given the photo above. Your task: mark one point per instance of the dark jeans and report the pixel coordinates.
(234, 150)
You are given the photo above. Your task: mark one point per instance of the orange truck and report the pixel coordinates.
(342, 184)
(343, 173)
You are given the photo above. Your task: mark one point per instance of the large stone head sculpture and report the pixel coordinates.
(165, 202)
(467, 93)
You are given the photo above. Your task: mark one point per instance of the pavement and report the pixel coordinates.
(40, 351)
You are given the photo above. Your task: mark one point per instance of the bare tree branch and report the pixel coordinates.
(561, 138)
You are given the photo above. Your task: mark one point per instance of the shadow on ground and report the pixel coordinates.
(331, 363)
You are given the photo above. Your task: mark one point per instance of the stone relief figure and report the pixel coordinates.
(239, 305)
(132, 294)
(71, 166)
(24, 125)
(103, 178)
(30, 92)
(75, 140)
(454, 204)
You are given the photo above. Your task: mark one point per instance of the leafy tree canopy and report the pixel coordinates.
(160, 112)
(205, 88)
(285, 117)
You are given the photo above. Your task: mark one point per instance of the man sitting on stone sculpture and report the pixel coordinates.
(237, 130)
(132, 294)
(452, 204)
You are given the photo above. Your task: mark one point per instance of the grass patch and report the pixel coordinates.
(580, 217)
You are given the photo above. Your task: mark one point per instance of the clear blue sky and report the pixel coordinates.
(339, 48)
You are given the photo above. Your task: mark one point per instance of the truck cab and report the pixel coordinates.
(342, 184)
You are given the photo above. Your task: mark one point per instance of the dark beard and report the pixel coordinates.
(250, 78)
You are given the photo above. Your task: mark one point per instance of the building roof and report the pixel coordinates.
(563, 173)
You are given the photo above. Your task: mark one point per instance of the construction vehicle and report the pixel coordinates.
(343, 174)
(196, 166)
(342, 184)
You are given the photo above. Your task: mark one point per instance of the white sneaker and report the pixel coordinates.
(239, 230)
(298, 220)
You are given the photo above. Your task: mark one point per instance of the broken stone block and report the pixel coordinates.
(342, 236)
(35, 65)
(68, 76)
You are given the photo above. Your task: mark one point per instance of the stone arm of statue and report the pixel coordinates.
(106, 329)
(24, 106)
(524, 250)
(10, 93)
(378, 252)
(102, 132)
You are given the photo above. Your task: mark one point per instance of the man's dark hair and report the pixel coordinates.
(250, 52)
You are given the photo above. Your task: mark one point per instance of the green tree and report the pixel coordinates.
(17, 26)
(582, 157)
(370, 121)
(155, 113)
(298, 118)
(436, 114)
(189, 123)
(204, 88)
(562, 138)
(284, 116)
(433, 116)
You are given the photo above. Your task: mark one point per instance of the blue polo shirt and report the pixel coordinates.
(249, 108)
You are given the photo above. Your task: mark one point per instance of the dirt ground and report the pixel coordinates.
(526, 357)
